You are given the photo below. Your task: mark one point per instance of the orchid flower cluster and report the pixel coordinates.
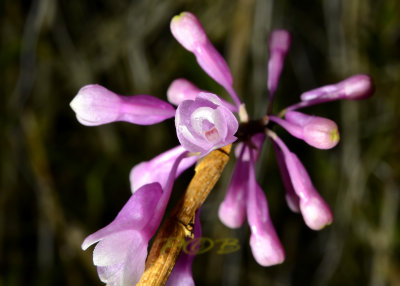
(205, 122)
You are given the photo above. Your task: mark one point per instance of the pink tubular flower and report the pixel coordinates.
(319, 132)
(232, 210)
(279, 44)
(205, 124)
(188, 31)
(121, 251)
(356, 87)
(265, 245)
(315, 211)
(96, 105)
(291, 197)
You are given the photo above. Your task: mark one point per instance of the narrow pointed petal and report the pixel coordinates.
(158, 169)
(95, 105)
(135, 214)
(278, 45)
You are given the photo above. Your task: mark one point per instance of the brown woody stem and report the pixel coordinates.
(179, 225)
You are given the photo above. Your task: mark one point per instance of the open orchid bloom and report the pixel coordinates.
(205, 124)
(121, 252)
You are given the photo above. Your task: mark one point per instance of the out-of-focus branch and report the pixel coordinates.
(179, 226)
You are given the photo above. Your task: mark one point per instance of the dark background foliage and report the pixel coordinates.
(61, 181)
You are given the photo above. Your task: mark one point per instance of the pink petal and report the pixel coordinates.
(114, 248)
(134, 264)
(145, 110)
(135, 214)
(158, 169)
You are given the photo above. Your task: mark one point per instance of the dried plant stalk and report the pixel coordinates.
(179, 225)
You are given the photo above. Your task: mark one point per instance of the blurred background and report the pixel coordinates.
(61, 181)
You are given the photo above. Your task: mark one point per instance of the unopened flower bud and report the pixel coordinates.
(188, 31)
(264, 242)
(205, 124)
(232, 211)
(354, 88)
(357, 87)
(316, 213)
(278, 45)
(180, 90)
(319, 132)
(190, 34)
(96, 105)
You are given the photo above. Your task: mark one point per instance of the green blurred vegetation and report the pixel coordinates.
(60, 181)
